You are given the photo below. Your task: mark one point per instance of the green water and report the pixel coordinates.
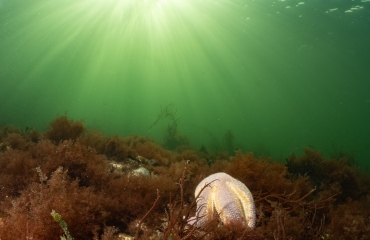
(281, 75)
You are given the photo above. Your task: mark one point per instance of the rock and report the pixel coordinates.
(140, 171)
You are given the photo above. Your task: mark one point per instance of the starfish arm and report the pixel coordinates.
(246, 201)
(205, 209)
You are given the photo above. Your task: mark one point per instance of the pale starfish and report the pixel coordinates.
(226, 197)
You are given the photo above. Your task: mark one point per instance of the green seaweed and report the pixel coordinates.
(58, 218)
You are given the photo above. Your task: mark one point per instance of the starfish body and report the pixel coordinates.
(226, 197)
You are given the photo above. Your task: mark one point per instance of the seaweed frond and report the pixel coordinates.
(58, 218)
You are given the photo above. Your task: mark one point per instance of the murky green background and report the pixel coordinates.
(281, 75)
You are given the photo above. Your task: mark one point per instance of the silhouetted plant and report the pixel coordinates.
(337, 153)
(228, 140)
(172, 137)
(168, 112)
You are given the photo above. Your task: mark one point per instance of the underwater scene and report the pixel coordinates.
(184, 119)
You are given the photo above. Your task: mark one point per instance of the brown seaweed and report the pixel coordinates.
(309, 197)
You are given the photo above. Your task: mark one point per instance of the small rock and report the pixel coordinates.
(123, 236)
(141, 171)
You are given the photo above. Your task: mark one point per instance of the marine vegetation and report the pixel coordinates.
(110, 187)
(172, 137)
(228, 140)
